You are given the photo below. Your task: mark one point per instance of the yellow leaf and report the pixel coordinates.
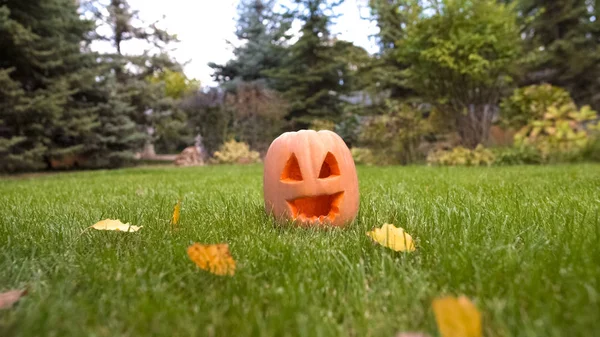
(176, 212)
(213, 258)
(115, 225)
(394, 238)
(457, 317)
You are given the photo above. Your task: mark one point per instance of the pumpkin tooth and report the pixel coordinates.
(322, 218)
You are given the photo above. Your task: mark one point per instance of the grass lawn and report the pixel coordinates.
(522, 242)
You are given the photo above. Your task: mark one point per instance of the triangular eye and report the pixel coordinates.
(330, 167)
(291, 170)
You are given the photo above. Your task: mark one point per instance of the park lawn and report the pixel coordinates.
(522, 242)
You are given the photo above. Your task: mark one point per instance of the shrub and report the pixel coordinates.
(394, 137)
(591, 152)
(233, 152)
(362, 155)
(531, 103)
(522, 155)
(560, 135)
(460, 156)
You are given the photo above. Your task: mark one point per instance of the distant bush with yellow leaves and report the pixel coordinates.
(563, 132)
(233, 152)
(460, 156)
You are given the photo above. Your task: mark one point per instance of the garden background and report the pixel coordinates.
(457, 82)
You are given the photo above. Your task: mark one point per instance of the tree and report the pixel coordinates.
(43, 79)
(312, 77)
(392, 18)
(262, 33)
(150, 105)
(461, 59)
(565, 39)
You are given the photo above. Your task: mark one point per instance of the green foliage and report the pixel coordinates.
(461, 57)
(312, 76)
(517, 155)
(460, 156)
(257, 114)
(209, 117)
(395, 136)
(44, 109)
(321, 124)
(349, 128)
(363, 156)
(531, 103)
(176, 84)
(232, 152)
(561, 133)
(563, 38)
(591, 152)
(263, 32)
(386, 69)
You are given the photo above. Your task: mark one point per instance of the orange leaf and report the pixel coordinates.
(457, 317)
(176, 212)
(7, 299)
(213, 258)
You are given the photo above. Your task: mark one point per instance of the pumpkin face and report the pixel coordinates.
(310, 178)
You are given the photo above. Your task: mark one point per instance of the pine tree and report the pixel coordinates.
(262, 32)
(42, 68)
(565, 36)
(144, 100)
(311, 77)
(391, 17)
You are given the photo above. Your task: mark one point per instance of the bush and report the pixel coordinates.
(531, 103)
(233, 152)
(363, 156)
(591, 152)
(560, 135)
(258, 114)
(460, 156)
(523, 155)
(394, 137)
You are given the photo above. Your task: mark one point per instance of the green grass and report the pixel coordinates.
(522, 242)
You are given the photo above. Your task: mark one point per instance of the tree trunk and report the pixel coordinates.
(474, 125)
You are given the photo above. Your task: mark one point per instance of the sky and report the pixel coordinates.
(204, 27)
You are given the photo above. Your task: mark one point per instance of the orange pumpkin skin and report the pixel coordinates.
(310, 178)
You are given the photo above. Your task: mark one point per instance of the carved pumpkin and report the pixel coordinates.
(310, 178)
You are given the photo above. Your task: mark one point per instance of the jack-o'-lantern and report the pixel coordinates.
(310, 178)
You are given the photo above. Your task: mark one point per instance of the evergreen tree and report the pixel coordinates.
(312, 76)
(262, 32)
(392, 18)
(145, 100)
(565, 38)
(43, 112)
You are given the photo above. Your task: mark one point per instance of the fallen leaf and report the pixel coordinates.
(457, 317)
(115, 225)
(176, 212)
(9, 298)
(213, 258)
(394, 238)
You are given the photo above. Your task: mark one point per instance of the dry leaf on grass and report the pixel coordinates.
(457, 317)
(394, 238)
(115, 225)
(213, 258)
(9, 298)
(176, 213)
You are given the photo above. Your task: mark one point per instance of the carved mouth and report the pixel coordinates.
(317, 208)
